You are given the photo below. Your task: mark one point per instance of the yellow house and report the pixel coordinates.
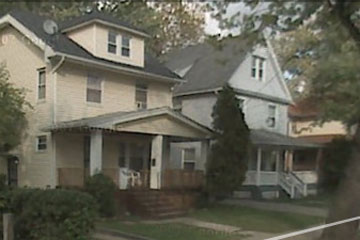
(100, 103)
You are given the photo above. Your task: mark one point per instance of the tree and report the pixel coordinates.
(12, 113)
(227, 163)
(334, 85)
(171, 24)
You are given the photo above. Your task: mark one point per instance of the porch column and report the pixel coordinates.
(290, 158)
(96, 144)
(258, 167)
(319, 156)
(156, 162)
(204, 150)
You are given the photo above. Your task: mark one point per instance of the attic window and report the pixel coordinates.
(125, 46)
(112, 42)
(257, 68)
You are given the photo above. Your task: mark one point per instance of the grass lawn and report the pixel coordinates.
(168, 231)
(255, 219)
(319, 201)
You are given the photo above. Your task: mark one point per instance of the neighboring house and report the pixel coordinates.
(100, 103)
(304, 124)
(264, 98)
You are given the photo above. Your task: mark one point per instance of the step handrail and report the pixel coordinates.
(299, 184)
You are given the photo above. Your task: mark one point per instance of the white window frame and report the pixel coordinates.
(113, 44)
(187, 161)
(101, 88)
(275, 115)
(125, 47)
(140, 105)
(39, 72)
(258, 59)
(38, 143)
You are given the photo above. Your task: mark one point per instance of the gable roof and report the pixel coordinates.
(96, 16)
(62, 45)
(108, 121)
(210, 67)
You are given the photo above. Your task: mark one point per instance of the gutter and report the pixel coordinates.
(128, 70)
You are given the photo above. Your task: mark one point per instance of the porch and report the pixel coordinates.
(133, 149)
(280, 161)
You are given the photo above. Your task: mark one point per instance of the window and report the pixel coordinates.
(41, 83)
(93, 91)
(189, 158)
(112, 42)
(258, 68)
(268, 160)
(271, 121)
(41, 144)
(141, 96)
(125, 46)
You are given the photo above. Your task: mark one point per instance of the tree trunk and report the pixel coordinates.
(347, 202)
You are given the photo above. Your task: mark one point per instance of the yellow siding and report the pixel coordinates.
(305, 128)
(118, 93)
(160, 125)
(85, 37)
(22, 60)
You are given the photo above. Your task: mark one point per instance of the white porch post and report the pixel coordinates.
(258, 167)
(204, 150)
(156, 161)
(96, 144)
(291, 160)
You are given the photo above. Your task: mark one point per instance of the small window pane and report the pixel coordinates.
(189, 165)
(189, 154)
(125, 46)
(112, 42)
(125, 41)
(125, 52)
(111, 48)
(93, 91)
(41, 143)
(41, 84)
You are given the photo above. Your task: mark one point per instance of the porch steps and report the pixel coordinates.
(156, 204)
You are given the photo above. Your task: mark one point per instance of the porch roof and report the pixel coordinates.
(271, 139)
(145, 121)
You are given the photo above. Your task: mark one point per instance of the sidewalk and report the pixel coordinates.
(281, 207)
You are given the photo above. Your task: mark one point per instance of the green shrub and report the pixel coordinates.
(336, 157)
(53, 214)
(102, 188)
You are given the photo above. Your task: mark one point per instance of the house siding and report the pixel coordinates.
(22, 59)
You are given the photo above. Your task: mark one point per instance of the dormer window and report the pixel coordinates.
(112, 42)
(258, 68)
(125, 46)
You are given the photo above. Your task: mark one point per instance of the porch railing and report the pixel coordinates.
(261, 178)
(75, 177)
(182, 179)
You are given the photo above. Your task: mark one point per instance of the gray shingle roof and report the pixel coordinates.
(211, 67)
(62, 44)
(98, 16)
(267, 138)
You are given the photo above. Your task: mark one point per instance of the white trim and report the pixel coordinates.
(37, 143)
(106, 24)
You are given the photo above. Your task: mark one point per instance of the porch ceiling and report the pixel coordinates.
(267, 138)
(157, 121)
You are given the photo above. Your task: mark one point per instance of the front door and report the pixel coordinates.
(12, 167)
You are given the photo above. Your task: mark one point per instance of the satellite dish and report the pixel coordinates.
(50, 27)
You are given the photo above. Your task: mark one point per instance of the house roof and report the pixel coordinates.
(217, 64)
(97, 16)
(62, 45)
(266, 138)
(304, 109)
(108, 121)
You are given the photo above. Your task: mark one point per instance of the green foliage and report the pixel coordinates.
(102, 188)
(52, 214)
(227, 163)
(12, 112)
(336, 157)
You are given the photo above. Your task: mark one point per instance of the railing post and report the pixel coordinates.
(8, 226)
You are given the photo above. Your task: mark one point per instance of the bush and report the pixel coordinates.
(102, 188)
(336, 157)
(52, 214)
